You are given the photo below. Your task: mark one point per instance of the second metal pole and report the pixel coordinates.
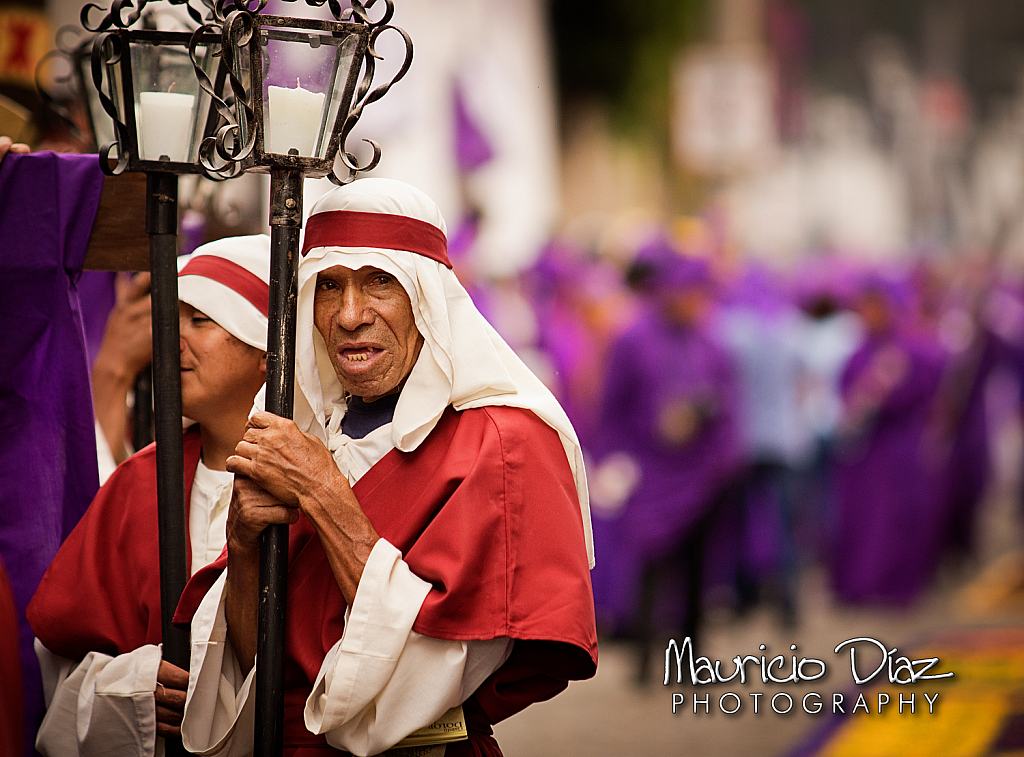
(142, 409)
(162, 225)
(285, 222)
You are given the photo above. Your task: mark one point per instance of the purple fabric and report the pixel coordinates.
(888, 537)
(48, 450)
(96, 294)
(661, 269)
(461, 244)
(832, 278)
(463, 239)
(758, 289)
(653, 365)
(192, 232)
(558, 265)
(763, 535)
(968, 469)
(472, 149)
(656, 253)
(563, 337)
(679, 273)
(897, 290)
(563, 286)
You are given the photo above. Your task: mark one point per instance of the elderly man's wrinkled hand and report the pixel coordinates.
(252, 509)
(282, 459)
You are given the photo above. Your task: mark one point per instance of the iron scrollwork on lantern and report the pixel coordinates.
(144, 79)
(160, 113)
(266, 122)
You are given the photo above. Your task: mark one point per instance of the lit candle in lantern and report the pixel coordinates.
(165, 125)
(294, 119)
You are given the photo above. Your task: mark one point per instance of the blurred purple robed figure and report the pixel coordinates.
(965, 429)
(580, 306)
(562, 335)
(997, 339)
(888, 541)
(48, 450)
(670, 407)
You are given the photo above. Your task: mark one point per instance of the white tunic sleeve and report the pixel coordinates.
(380, 682)
(100, 706)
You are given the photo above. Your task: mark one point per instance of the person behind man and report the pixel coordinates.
(124, 351)
(440, 543)
(96, 613)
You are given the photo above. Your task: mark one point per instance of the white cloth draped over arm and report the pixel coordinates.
(100, 706)
(380, 682)
(219, 712)
(104, 705)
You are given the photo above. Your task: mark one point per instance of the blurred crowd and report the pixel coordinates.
(839, 414)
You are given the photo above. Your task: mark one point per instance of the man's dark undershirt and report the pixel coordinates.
(363, 417)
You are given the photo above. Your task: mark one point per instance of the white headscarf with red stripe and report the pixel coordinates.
(463, 362)
(229, 281)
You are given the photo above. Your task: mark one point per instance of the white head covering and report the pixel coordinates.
(229, 281)
(463, 362)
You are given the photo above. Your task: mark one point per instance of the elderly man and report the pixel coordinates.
(96, 613)
(440, 543)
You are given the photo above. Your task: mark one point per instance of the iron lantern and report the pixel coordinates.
(298, 88)
(145, 81)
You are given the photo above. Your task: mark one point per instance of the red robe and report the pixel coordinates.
(102, 591)
(11, 724)
(485, 510)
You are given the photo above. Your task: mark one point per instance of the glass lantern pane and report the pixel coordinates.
(101, 122)
(303, 85)
(170, 107)
(344, 62)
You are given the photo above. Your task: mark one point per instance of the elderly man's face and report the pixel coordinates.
(366, 320)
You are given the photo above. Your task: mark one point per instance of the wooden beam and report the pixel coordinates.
(119, 241)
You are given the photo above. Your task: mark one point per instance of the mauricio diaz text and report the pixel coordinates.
(865, 667)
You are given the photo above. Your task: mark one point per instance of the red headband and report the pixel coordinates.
(233, 276)
(349, 228)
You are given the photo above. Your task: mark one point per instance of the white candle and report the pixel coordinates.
(165, 125)
(294, 119)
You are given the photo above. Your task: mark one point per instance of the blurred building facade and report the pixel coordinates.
(894, 127)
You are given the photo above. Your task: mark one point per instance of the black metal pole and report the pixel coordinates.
(285, 222)
(162, 225)
(142, 409)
